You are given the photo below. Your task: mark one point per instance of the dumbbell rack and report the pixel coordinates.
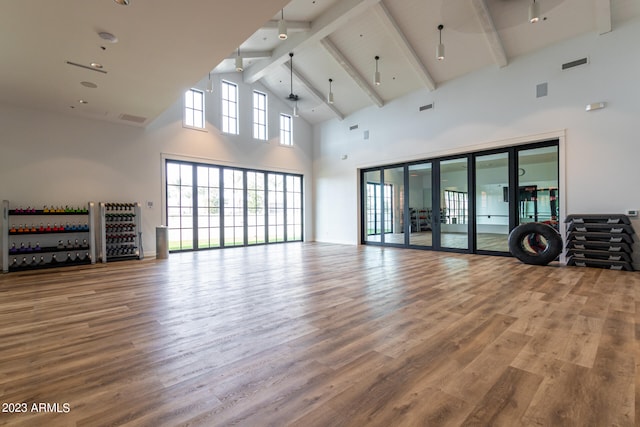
(600, 240)
(120, 231)
(46, 238)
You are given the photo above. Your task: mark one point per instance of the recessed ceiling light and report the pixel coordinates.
(96, 65)
(122, 2)
(108, 37)
(89, 85)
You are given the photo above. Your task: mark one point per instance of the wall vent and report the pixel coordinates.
(426, 107)
(354, 127)
(132, 118)
(577, 62)
(541, 90)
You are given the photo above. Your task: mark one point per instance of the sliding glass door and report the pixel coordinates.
(208, 206)
(468, 203)
(216, 206)
(234, 224)
(421, 204)
(538, 185)
(454, 204)
(180, 203)
(383, 195)
(256, 199)
(293, 191)
(373, 194)
(393, 202)
(492, 202)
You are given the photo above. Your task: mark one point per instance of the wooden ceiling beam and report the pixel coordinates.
(315, 93)
(332, 19)
(394, 30)
(490, 32)
(603, 16)
(358, 79)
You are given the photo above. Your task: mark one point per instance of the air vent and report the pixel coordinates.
(354, 127)
(577, 62)
(132, 118)
(86, 67)
(542, 90)
(426, 107)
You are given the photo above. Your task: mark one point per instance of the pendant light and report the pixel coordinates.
(330, 96)
(209, 84)
(534, 12)
(282, 27)
(296, 111)
(239, 65)
(376, 75)
(440, 48)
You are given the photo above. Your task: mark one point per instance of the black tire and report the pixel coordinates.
(535, 243)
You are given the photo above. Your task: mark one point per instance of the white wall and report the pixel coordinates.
(496, 107)
(54, 159)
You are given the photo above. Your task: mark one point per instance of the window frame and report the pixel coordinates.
(226, 107)
(195, 226)
(286, 135)
(192, 110)
(260, 114)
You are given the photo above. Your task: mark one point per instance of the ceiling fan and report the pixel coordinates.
(292, 96)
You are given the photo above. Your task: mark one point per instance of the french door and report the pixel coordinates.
(464, 203)
(210, 206)
(383, 195)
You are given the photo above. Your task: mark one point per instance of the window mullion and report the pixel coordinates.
(285, 213)
(194, 204)
(245, 208)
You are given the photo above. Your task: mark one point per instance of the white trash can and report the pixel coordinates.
(162, 242)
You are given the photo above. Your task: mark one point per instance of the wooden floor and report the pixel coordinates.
(484, 241)
(320, 335)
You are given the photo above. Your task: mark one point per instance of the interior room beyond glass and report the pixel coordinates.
(465, 203)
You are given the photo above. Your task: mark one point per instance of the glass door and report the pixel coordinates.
(372, 206)
(393, 205)
(294, 207)
(233, 211)
(538, 185)
(208, 205)
(492, 202)
(421, 205)
(256, 206)
(180, 203)
(275, 195)
(454, 204)
(468, 203)
(212, 206)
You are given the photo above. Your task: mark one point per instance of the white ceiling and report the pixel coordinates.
(164, 47)
(167, 46)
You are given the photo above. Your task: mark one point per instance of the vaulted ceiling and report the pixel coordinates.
(339, 40)
(165, 46)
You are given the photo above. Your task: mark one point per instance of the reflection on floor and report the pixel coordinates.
(486, 241)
